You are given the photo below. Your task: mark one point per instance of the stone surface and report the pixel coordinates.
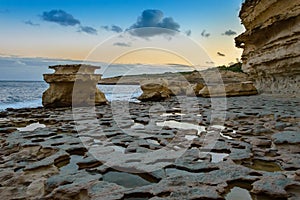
(229, 90)
(290, 137)
(271, 44)
(73, 85)
(62, 161)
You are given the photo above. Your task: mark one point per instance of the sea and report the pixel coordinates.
(28, 94)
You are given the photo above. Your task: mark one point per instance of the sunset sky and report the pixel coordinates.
(105, 30)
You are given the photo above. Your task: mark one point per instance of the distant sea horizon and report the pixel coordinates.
(28, 94)
(32, 69)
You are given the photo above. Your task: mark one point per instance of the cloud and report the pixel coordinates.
(154, 19)
(88, 30)
(204, 34)
(60, 17)
(28, 22)
(220, 54)
(122, 44)
(113, 28)
(229, 33)
(116, 29)
(188, 32)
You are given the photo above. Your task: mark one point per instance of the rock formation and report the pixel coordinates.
(160, 89)
(271, 44)
(229, 90)
(73, 85)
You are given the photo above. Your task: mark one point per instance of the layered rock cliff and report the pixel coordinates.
(271, 44)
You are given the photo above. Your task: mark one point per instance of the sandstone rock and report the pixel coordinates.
(194, 89)
(271, 44)
(230, 89)
(72, 85)
(272, 185)
(161, 89)
(155, 90)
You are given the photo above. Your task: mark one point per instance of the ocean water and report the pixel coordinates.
(28, 94)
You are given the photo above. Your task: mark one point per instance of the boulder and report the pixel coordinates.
(73, 85)
(229, 90)
(155, 90)
(160, 89)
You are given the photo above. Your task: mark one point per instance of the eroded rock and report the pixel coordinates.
(72, 85)
(271, 44)
(229, 90)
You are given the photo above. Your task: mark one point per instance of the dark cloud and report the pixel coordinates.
(113, 28)
(60, 17)
(188, 32)
(28, 22)
(229, 33)
(116, 29)
(157, 24)
(204, 34)
(220, 54)
(88, 30)
(122, 44)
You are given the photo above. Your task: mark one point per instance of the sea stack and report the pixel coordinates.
(73, 85)
(271, 44)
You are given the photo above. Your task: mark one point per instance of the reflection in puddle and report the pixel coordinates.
(138, 126)
(125, 179)
(262, 165)
(152, 141)
(72, 165)
(172, 114)
(190, 137)
(226, 136)
(32, 127)
(237, 193)
(182, 125)
(216, 157)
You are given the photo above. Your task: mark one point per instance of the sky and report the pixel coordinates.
(190, 32)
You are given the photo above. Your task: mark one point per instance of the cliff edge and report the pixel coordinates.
(271, 44)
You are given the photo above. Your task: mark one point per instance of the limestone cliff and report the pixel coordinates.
(271, 44)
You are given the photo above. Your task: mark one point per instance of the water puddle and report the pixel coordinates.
(190, 137)
(138, 126)
(262, 165)
(182, 125)
(226, 136)
(216, 157)
(172, 114)
(152, 141)
(220, 128)
(238, 193)
(238, 190)
(126, 180)
(32, 127)
(72, 165)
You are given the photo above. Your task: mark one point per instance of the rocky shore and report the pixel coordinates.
(73, 154)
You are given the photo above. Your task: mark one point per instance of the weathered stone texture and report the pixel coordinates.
(73, 85)
(271, 44)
